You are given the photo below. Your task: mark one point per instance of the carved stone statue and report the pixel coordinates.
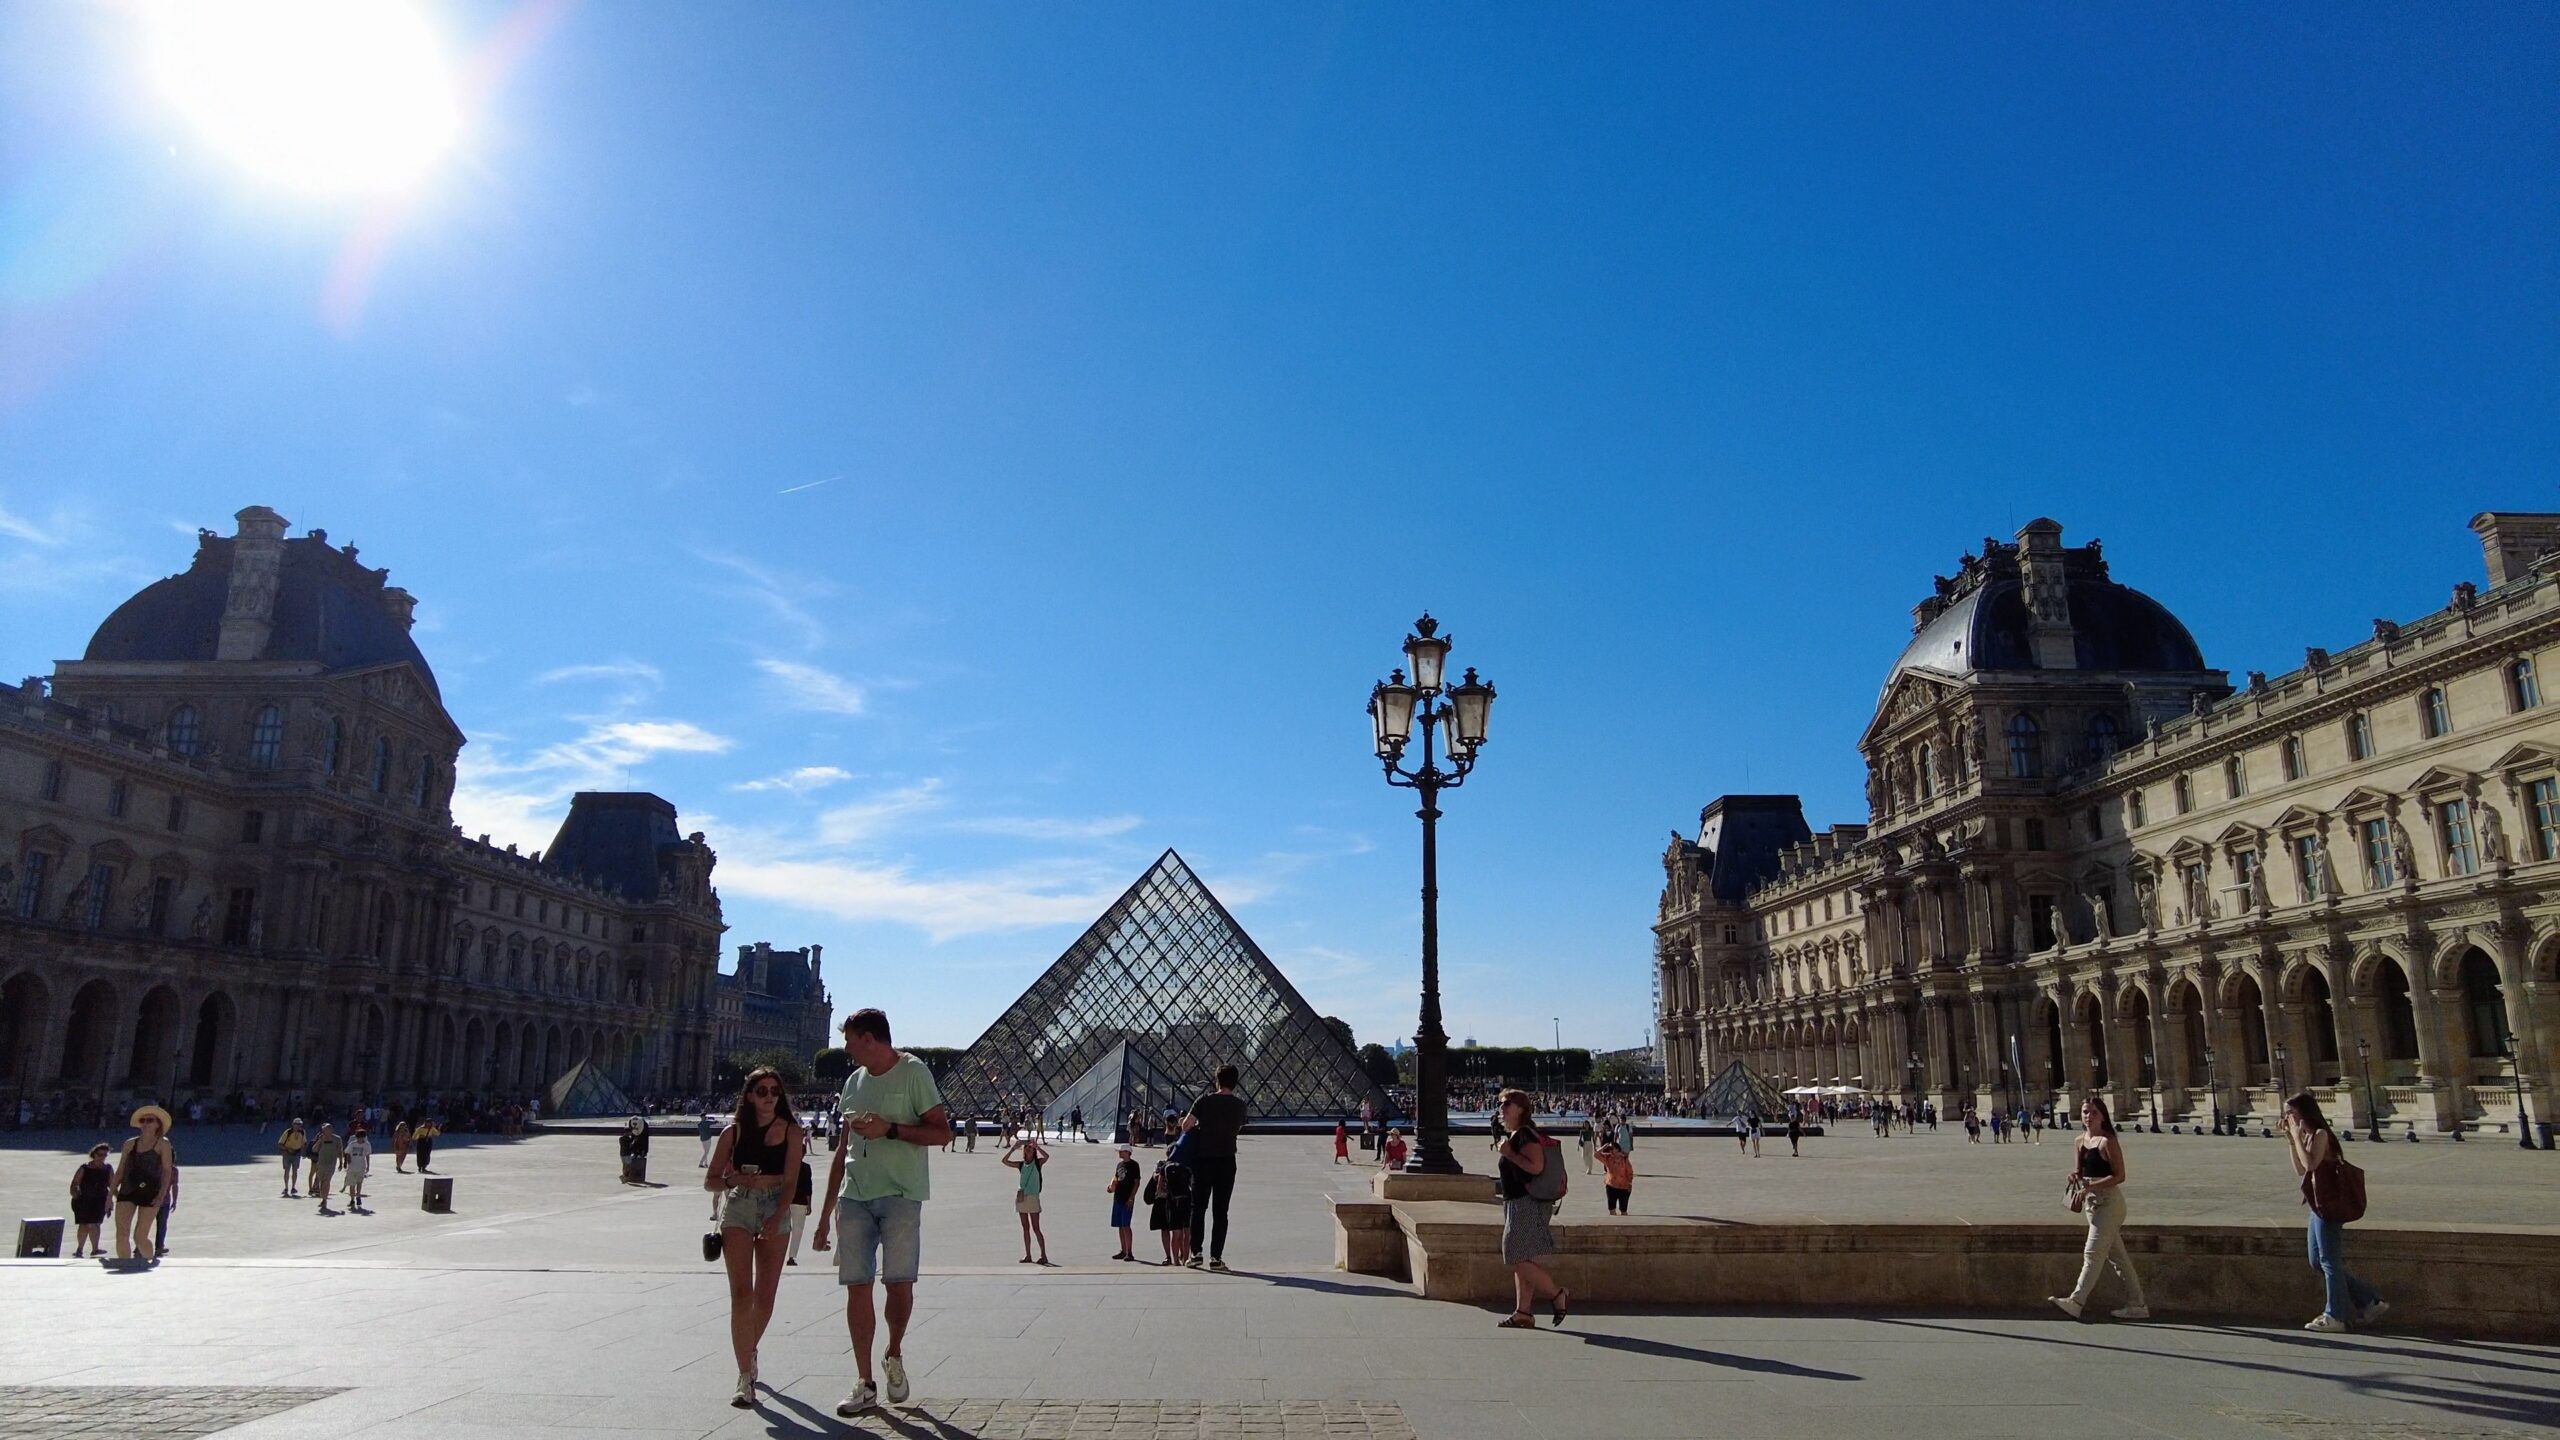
(140, 914)
(2258, 881)
(2493, 834)
(201, 927)
(76, 904)
(2403, 854)
(1973, 742)
(257, 932)
(2323, 874)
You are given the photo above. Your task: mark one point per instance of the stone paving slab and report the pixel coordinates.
(95, 1412)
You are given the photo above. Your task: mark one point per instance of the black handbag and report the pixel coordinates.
(710, 1244)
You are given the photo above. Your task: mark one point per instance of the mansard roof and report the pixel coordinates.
(1979, 620)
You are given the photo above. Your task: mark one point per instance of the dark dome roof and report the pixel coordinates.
(2113, 627)
(328, 608)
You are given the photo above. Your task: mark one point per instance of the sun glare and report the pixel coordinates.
(325, 96)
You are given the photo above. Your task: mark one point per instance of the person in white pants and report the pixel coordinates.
(801, 1193)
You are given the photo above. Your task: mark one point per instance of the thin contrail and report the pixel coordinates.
(812, 485)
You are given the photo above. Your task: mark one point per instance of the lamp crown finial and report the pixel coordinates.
(1426, 626)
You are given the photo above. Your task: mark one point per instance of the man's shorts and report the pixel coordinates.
(882, 1237)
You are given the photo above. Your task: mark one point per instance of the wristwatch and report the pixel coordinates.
(893, 1131)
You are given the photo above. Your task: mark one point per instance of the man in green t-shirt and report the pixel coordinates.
(892, 1116)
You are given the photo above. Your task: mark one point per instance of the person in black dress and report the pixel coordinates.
(89, 1186)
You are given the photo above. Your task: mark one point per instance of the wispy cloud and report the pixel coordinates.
(18, 527)
(634, 681)
(812, 485)
(943, 905)
(807, 687)
(582, 395)
(522, 800)
(875, 816)
(798, 782)
(784, 596)
(1033, 827)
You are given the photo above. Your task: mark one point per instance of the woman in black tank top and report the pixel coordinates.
(755, 1165)
(2097, 1179)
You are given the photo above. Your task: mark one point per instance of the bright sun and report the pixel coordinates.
(327, 96)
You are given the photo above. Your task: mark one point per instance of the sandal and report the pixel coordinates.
(1563, 1306)
(1520, 1320)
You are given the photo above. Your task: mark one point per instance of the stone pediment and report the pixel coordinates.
(2240, 833)
(2364, 797)
(1912, 697)
(2297, 817)
(2526, 756)
(2440, 777)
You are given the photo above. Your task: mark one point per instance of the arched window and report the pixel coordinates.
(2435, 717)
(2295, 767)
(1928, 772)
(2026, 747)
(266, 738)
(2235, 778)
(381, 766)
(425, 784)
(185, 730)
(2359, 736)
(333, 742)
(2524, 690)
(2103, 739)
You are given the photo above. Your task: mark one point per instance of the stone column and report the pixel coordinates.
(2448, 1075)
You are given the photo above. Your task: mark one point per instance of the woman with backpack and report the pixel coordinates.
(2334, 1190)
(1532, 1182)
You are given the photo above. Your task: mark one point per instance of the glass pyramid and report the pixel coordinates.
(584, 1090)
(1167, 972)
(1738, 1091)
(1125, 1081)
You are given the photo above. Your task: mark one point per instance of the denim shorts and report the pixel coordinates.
(747, 1209)
(883, 1237)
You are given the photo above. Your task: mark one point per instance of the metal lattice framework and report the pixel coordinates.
(1167, 970)
(1739, 1090)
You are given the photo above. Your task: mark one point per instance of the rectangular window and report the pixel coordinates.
(238, 913)
(2435, 716)
(2035, 833)
(102, 889)
(164, 895)
(50, 788)
(2359, 736)
(2453, 819)
(2294, 768)
(31, 877)
(253, 826)
(177, 812)
(2306, 867)
(2135, 808)
(2524, 687)
(2379, 872)
(2235, 778)
(2097, 823)
(115, 799)
(2186, 794)
(2544, 796)
(2244, 869)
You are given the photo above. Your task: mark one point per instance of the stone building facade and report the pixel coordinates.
(775, 1000)
(2092, 865)
(230, 865)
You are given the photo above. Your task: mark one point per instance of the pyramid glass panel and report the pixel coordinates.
(1168, 971)
(584, 1090)
(1737, 1090)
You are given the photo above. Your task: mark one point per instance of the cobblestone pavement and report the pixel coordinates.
(1149, 1420)
(95, 1412)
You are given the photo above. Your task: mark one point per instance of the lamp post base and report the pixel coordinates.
(1419, 1185)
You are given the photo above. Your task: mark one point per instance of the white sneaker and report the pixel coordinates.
(745, 1397)
(2134, 1312)
(864, 1396)
(2327, 1324)
(2066, 1305)
(895, 1371)
(2372, 1312)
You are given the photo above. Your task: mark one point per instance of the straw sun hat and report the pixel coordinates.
(152, 1112)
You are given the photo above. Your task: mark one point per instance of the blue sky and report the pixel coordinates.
(956, 452)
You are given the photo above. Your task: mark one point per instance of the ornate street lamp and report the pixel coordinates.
(2515, 1071)
(2212, 1091)
(2364, 1063)
(1452, 720)
(2283, 1083)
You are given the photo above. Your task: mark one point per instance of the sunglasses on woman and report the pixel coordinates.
(766, 1090)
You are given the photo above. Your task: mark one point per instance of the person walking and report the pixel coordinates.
(709, 1135)
(2335, 1198)
(1618, 1178)
(91, 1184)
(1216, 1119)
(2097, 1182)
(424, 1137)
(1795, 1132)
(1526, 1238)
(1341, 1142)
(754, 1165)
(326, 1147)
(634, 1145)
(400, 1145)
(1026, 1195)
(1124, 1198)
(359, 1162)
(1588, 1142)
(804, 1192)
(892, 1112)
(143, 1170)
(291, 1145)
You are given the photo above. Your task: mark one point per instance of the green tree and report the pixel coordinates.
(1341, 1029)
(831, 1065)
(1379, 1062)
(793, 1070)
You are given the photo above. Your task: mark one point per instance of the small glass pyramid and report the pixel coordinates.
(1168, 973)
(1125, 1081)
(1737, 1091)
(584, 1090)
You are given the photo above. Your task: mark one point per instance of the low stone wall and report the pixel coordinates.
(2470, 1280)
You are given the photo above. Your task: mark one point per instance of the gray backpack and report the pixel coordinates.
(1549, 1183)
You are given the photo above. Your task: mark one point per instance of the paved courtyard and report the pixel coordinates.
(555, 1301)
